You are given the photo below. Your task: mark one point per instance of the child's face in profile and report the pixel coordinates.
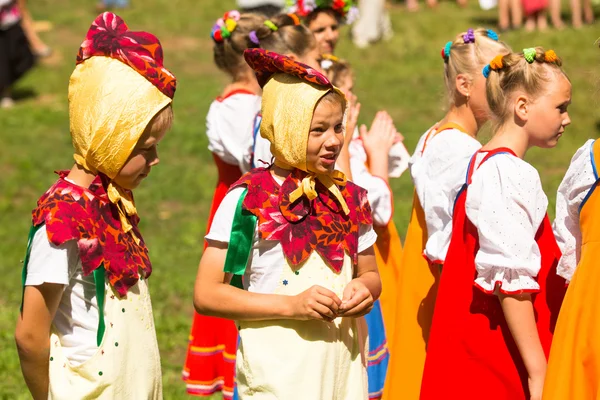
(143, 157)
(326, 136)
(548, 115)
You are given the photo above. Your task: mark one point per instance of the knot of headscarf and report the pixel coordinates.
(307, 186)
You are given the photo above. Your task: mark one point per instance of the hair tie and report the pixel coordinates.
(225, 33)
(469, 37)
(486, 71)
(497, 62)
(215, 33)
(446, 50)
(529, 54)
(492, 35)
(230, 24)
(271, 25)
(253, 38)
(295, 18)
(233, 14)
(550, 56)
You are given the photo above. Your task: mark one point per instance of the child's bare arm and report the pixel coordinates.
(519, 314)
(214, 296)
(362, 291)
(32, 335)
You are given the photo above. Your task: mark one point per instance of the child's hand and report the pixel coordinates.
(353, 112)
(357, 300)
(536, 385)
(316, 303)
(379, 139)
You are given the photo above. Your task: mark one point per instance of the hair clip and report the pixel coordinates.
(253, 38)
(469, 37)
(233, 14)
(496, 64)
(295, 18)
(486, 71)
(271, 25)
(529, 54)
(492, 35)
(446, 50)
(224, 26)
(550, 56)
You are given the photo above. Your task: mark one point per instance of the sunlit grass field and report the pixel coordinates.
(403, 76)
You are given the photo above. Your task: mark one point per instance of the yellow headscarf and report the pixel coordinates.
(288, 104)
(110, 106)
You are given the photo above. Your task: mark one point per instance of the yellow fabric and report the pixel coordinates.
(288, 104)
(574, 363)
(127, 363)
(110, 106)
(417, 289)
(290, 359)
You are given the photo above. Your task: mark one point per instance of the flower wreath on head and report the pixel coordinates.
(344, 8)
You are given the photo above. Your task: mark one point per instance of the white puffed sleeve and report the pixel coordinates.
(378, 191)
(230, 128)
(506, 203)
(438, 174)
(572, 191)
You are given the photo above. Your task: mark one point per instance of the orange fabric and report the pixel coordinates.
(388, 252)
(415, 300)
(574, 364)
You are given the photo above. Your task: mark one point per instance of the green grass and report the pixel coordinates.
(403, 76)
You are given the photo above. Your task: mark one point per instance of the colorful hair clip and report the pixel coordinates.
(469, 37)
(486, 71)
(492, 35)
(233, 14)
(497, 62)
(550, 56)
(529, 54)
(271, 25)
(295, 18)
(446, 50)
(224, 26)
(253, 38)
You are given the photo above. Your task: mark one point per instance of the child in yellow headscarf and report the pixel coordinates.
(86, 328)
(303, 249)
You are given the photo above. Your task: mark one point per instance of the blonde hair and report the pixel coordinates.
(229, 53)
(511, 72)
(337, 71)
(290, 36)
(162, 121)
(470, 57)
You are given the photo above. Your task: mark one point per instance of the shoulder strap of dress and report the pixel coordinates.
(242, 234)
(490, 154)
(433, 132)
(595, 157)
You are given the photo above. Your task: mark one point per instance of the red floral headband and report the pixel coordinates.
(109, 36)
(267, 63)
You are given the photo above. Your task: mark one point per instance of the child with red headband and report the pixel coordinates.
(210, 360)
(303, 259)
(86, 328)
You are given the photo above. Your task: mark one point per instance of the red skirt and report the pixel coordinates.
(210, 361)
(471, 352)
